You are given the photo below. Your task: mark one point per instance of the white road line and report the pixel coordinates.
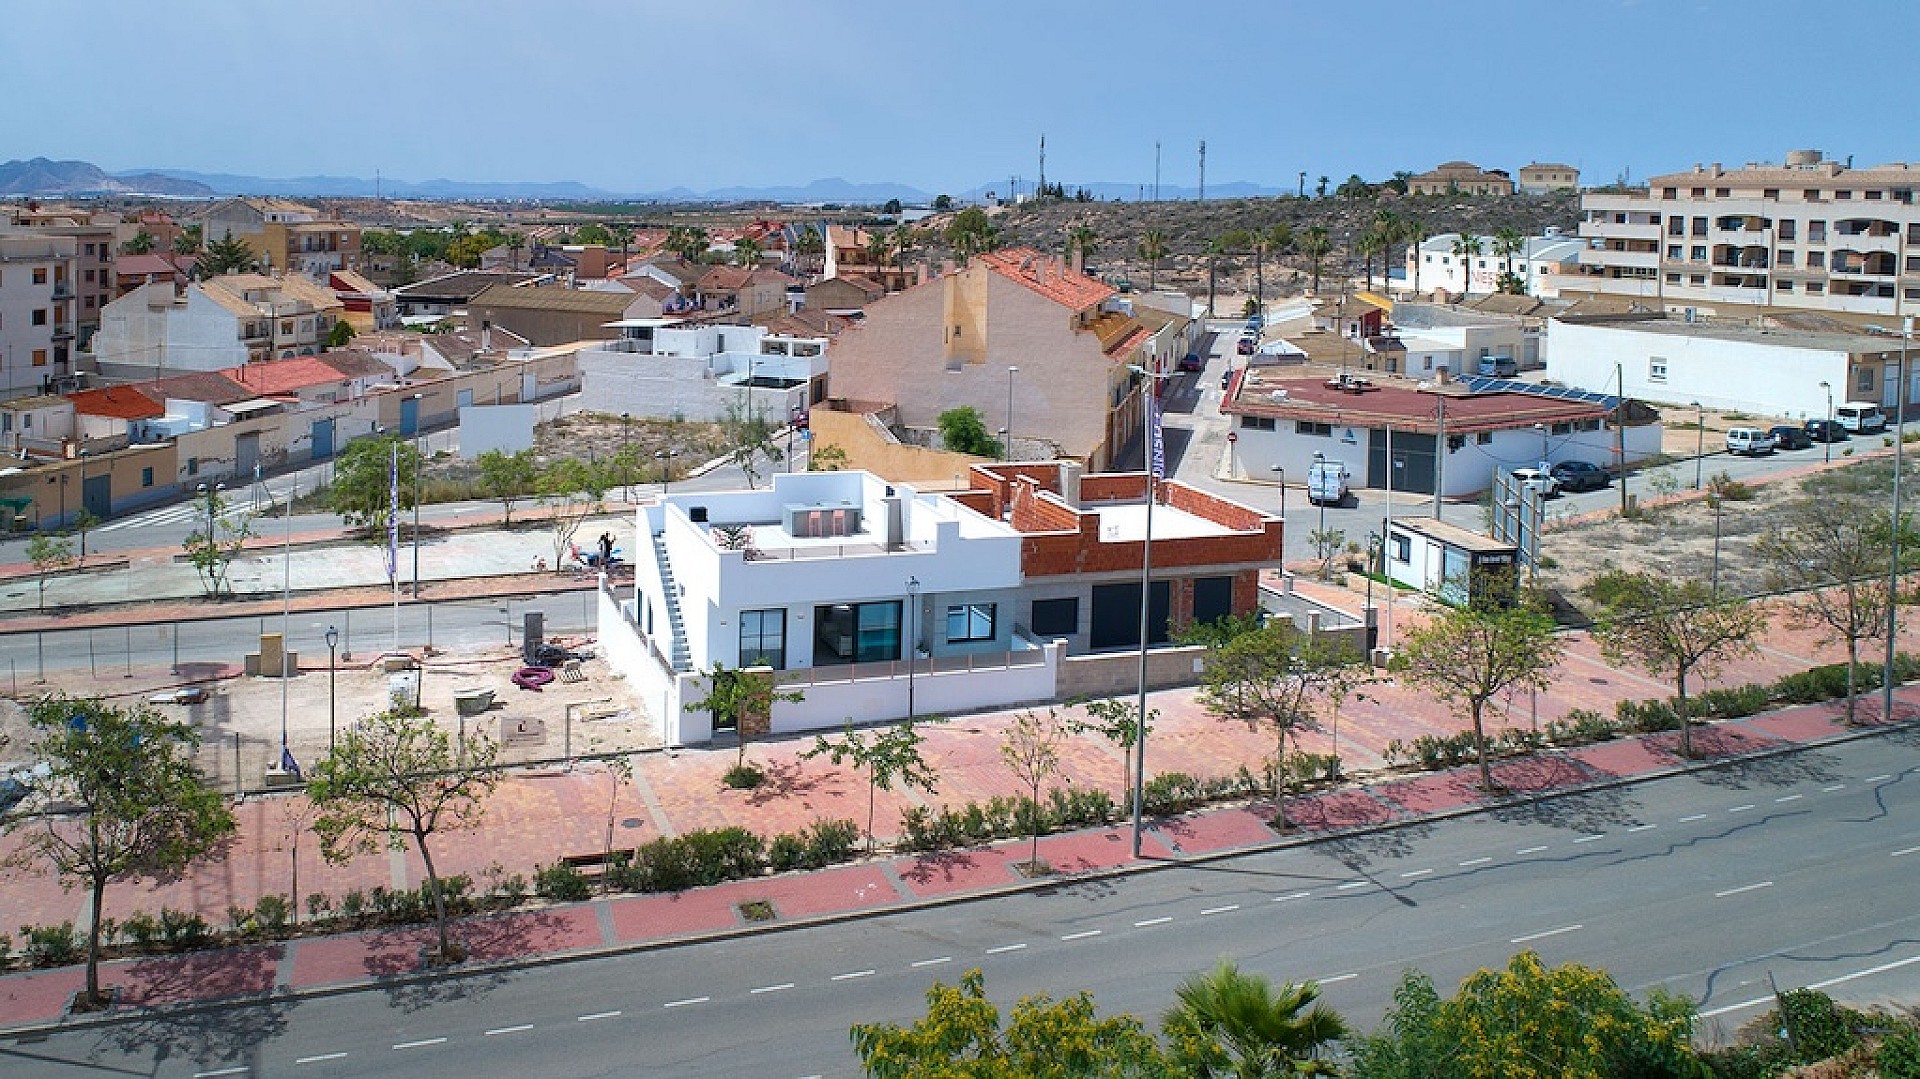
(1642, 827)
(1694, 817)
(1741, 809)
(1415, 873)
(851, 975)
(1834, 787)
(241, 1070)
(1603, 835)
(420, 1044)
(597, 1015)
(1828, 984)
(1005, 948)
(1754, 1003)
(318, 1059)
(1338, 978)
(1475, 861)
(1904, 851)
(1082, 935)
(684, 1003)
(509, 1030)
(939, 960)
(1220, 910)
(1293, 895)
(1151, 921)
(1531, 850)
(1794, 797)
(771, 988)
(1546, 933)
(1878, 779)
(1743, 888)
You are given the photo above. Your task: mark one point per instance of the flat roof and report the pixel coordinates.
(1452, 535)
(1782, 336)
(1124, 522)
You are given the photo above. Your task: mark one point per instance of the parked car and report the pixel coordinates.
(1580, 476)
(1191, 362)
(1788, 437)
(1535, 480)
(1749, 441)
(1226, 379)
(1860, 417)
(1826, 431)
(1245, 347)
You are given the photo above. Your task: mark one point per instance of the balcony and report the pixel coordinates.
(1610, 230)
(62, 290)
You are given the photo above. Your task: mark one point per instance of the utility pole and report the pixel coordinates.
(1203, 170)
(1043, 165)
(1620, 430)
(1156, 170)
(1303, 185)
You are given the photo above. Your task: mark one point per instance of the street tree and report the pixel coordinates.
(141, 244)
(742, 700)
(1118, 721)
(1153, 248)
(395, 775)
(508, 478)
(188, 240)
(888, 755)
(571, 490)
(879, 244)
(746, 252)
(963, 431)
(49, 554)
(83, 522)
(1277, 677)
(1031, 751)
(141, 809)
(228, 254)
(1415, 233)
(1508, 242)
(971, 232)
(747, 436)
(363, 491)
(1315, 248)
(963, 1035)
(1828, 559)
(1327, 545)
(1672, 628)
(1227, 1022)
(1470, 654)
(341, 335)
(211, 548)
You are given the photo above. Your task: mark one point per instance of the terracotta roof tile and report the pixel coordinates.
(284, 376)
(1047, 276)
(117, 402)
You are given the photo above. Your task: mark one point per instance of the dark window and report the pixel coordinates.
(1116, 615)
(39, 316)
(146, 477)
(1212, 598)
(970, 622)
(1402, 548)
(763, 639)
(1056, 617)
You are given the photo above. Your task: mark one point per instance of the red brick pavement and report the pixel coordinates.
(806, 895)
(1202, 833)
(679, 914)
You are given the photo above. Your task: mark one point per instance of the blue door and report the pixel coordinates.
(96, 494)
(409, 416)
(322, 439)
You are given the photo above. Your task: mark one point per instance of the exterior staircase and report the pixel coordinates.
(680, 657)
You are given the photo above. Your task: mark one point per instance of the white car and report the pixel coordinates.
(1540, 482)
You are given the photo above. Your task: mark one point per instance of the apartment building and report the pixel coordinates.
(92, 281)
(230, 320)
(1809, 233)
(287, 236)
(36, 310)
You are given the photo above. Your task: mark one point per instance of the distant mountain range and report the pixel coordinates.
(43, 178)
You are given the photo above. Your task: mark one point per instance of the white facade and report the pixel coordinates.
(153, 328)
(1459, 349)
(36, 311)
(1539, 265)
(661, 369)
(1774, 373)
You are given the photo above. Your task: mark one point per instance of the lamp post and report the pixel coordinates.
(665, 457)
(913, 638)
(1281, 472)
(1146, 603)
(1893, 560)
(1700, 443)
(1827, 435)
(793, 420)
(333, 639)
(1373, 553)
(626, 484)
(1544, 451)
(1006, 445)
(1319, 459)
(418, 461)
(1715, 500)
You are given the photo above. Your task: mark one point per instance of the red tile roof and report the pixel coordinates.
(117, 402)
(1129, 342)
(1048, 276)
(271, 377)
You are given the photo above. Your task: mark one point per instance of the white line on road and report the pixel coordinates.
(1082, 935)
(1531, 850)
(937, 961)
(1151, 921)
(1338, 978)
(1743, 888)
(1828, 984)
(597, 1015)
(318, 1059)
(851, 975)
(1792, 797)
(1005, 948)
(1220, 910)
(1878, 779)
(1351, 885)
(1754, 1003)
(1475, 861)
(771, 988)
(1293, 895)
(1834, 787)
(1904, 851)
(1642, 827)
(509, 1030)
(241, 1070)
(1591, 838)
(1546, 933)
(420, 1044)
(1415, 873)
(1741, 809)
(1694, 817)
(684, 1003)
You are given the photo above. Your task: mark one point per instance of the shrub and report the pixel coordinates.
(692, 860)
(1819, 1028)
(787, 852)
(272, 914)
(560, 883)
(743, 777)
(1646, 717)
(1899, 1055)
(831, 841)
(1170, 792)
(1731, 703)
(353, 905)
(1728, 488)
(319, 907)
(50, 945)
(183, 932)
(142, 929)
(1581, 725)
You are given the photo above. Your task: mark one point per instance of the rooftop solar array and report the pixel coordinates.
(1481, 384)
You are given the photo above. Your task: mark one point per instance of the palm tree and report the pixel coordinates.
(1390, 228)
(1216, 247)
(1466, 247)
(905, 238)
(1083, 239)
(809, 246)
(516, 243)
(1227, 1022)
(1508, 242)
(1279, 237)
(746, 252)
(1153, 248)
(1415, 233)
(1366, 245)
(1316, 248)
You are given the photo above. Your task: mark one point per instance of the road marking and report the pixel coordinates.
(1475, 861)
(1792, 797)
(942, 959)
(1531, 850)
(417, 1045)
(241, 1070)
(1741, 809)
(1642, 827)
(318, 1059)
(851, 975)
(1879, 779)
(1904, 851)
(1743, 888)
(1005, 948)
(1754, 1003)
(771, 988)
(1415, 873)
(1695, 817)
(1295, 895)
(1151, 921)
(1220, 910)
(1828, 984)
(1546, 933)
(1601, 835)
(1834, 787)
(509, 1030)
(1338, 978)
(597, 1015)
(1082, 935)
(684, 1003)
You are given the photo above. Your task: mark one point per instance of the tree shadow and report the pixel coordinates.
(212, 1038)
(1361, 850)
(784, 779)
(402, 957)
(1586, 812)
(214, 975)
(941, 865)
(1332, 812)
(1806, 766)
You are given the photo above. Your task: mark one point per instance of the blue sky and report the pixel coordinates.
(638, 95)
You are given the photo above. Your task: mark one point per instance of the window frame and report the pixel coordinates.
(979, 622)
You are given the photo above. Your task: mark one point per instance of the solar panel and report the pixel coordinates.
(1487, 384)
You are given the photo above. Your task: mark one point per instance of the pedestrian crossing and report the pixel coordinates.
(193, 510)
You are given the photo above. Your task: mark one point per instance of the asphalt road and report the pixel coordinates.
(1800, 867)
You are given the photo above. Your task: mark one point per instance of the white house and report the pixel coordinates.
(1764, 371)
(1435, 265)
(664, 367)
(1442, 559)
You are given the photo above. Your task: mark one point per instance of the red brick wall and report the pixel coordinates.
(1113, 487)
(1201, 504)
(1033, 513)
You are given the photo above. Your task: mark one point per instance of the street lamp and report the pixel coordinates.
(1319, 461)
(1544, 451)
(665, 457)
(418, 461)
(1827, 435)
(1006, 447)
(626, 478)
(913, 637)
(1893, 559)
(333, 640)
(1146, 600)
(1282, 473)
(1700, 443)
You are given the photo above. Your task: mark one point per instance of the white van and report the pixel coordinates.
(1751, 441)
(1860, 418)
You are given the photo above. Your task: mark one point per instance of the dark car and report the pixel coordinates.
(1226, 379)
(1245, 347)
(1580, 476)
(1191, 362)
(1788, 437)
(1826, 431)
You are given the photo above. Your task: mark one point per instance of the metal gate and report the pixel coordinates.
(409, 416)
(246, 454)
(96, 494)
(322, 439)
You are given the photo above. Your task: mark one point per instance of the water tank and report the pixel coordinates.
(697, 514)
(1800, 159)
